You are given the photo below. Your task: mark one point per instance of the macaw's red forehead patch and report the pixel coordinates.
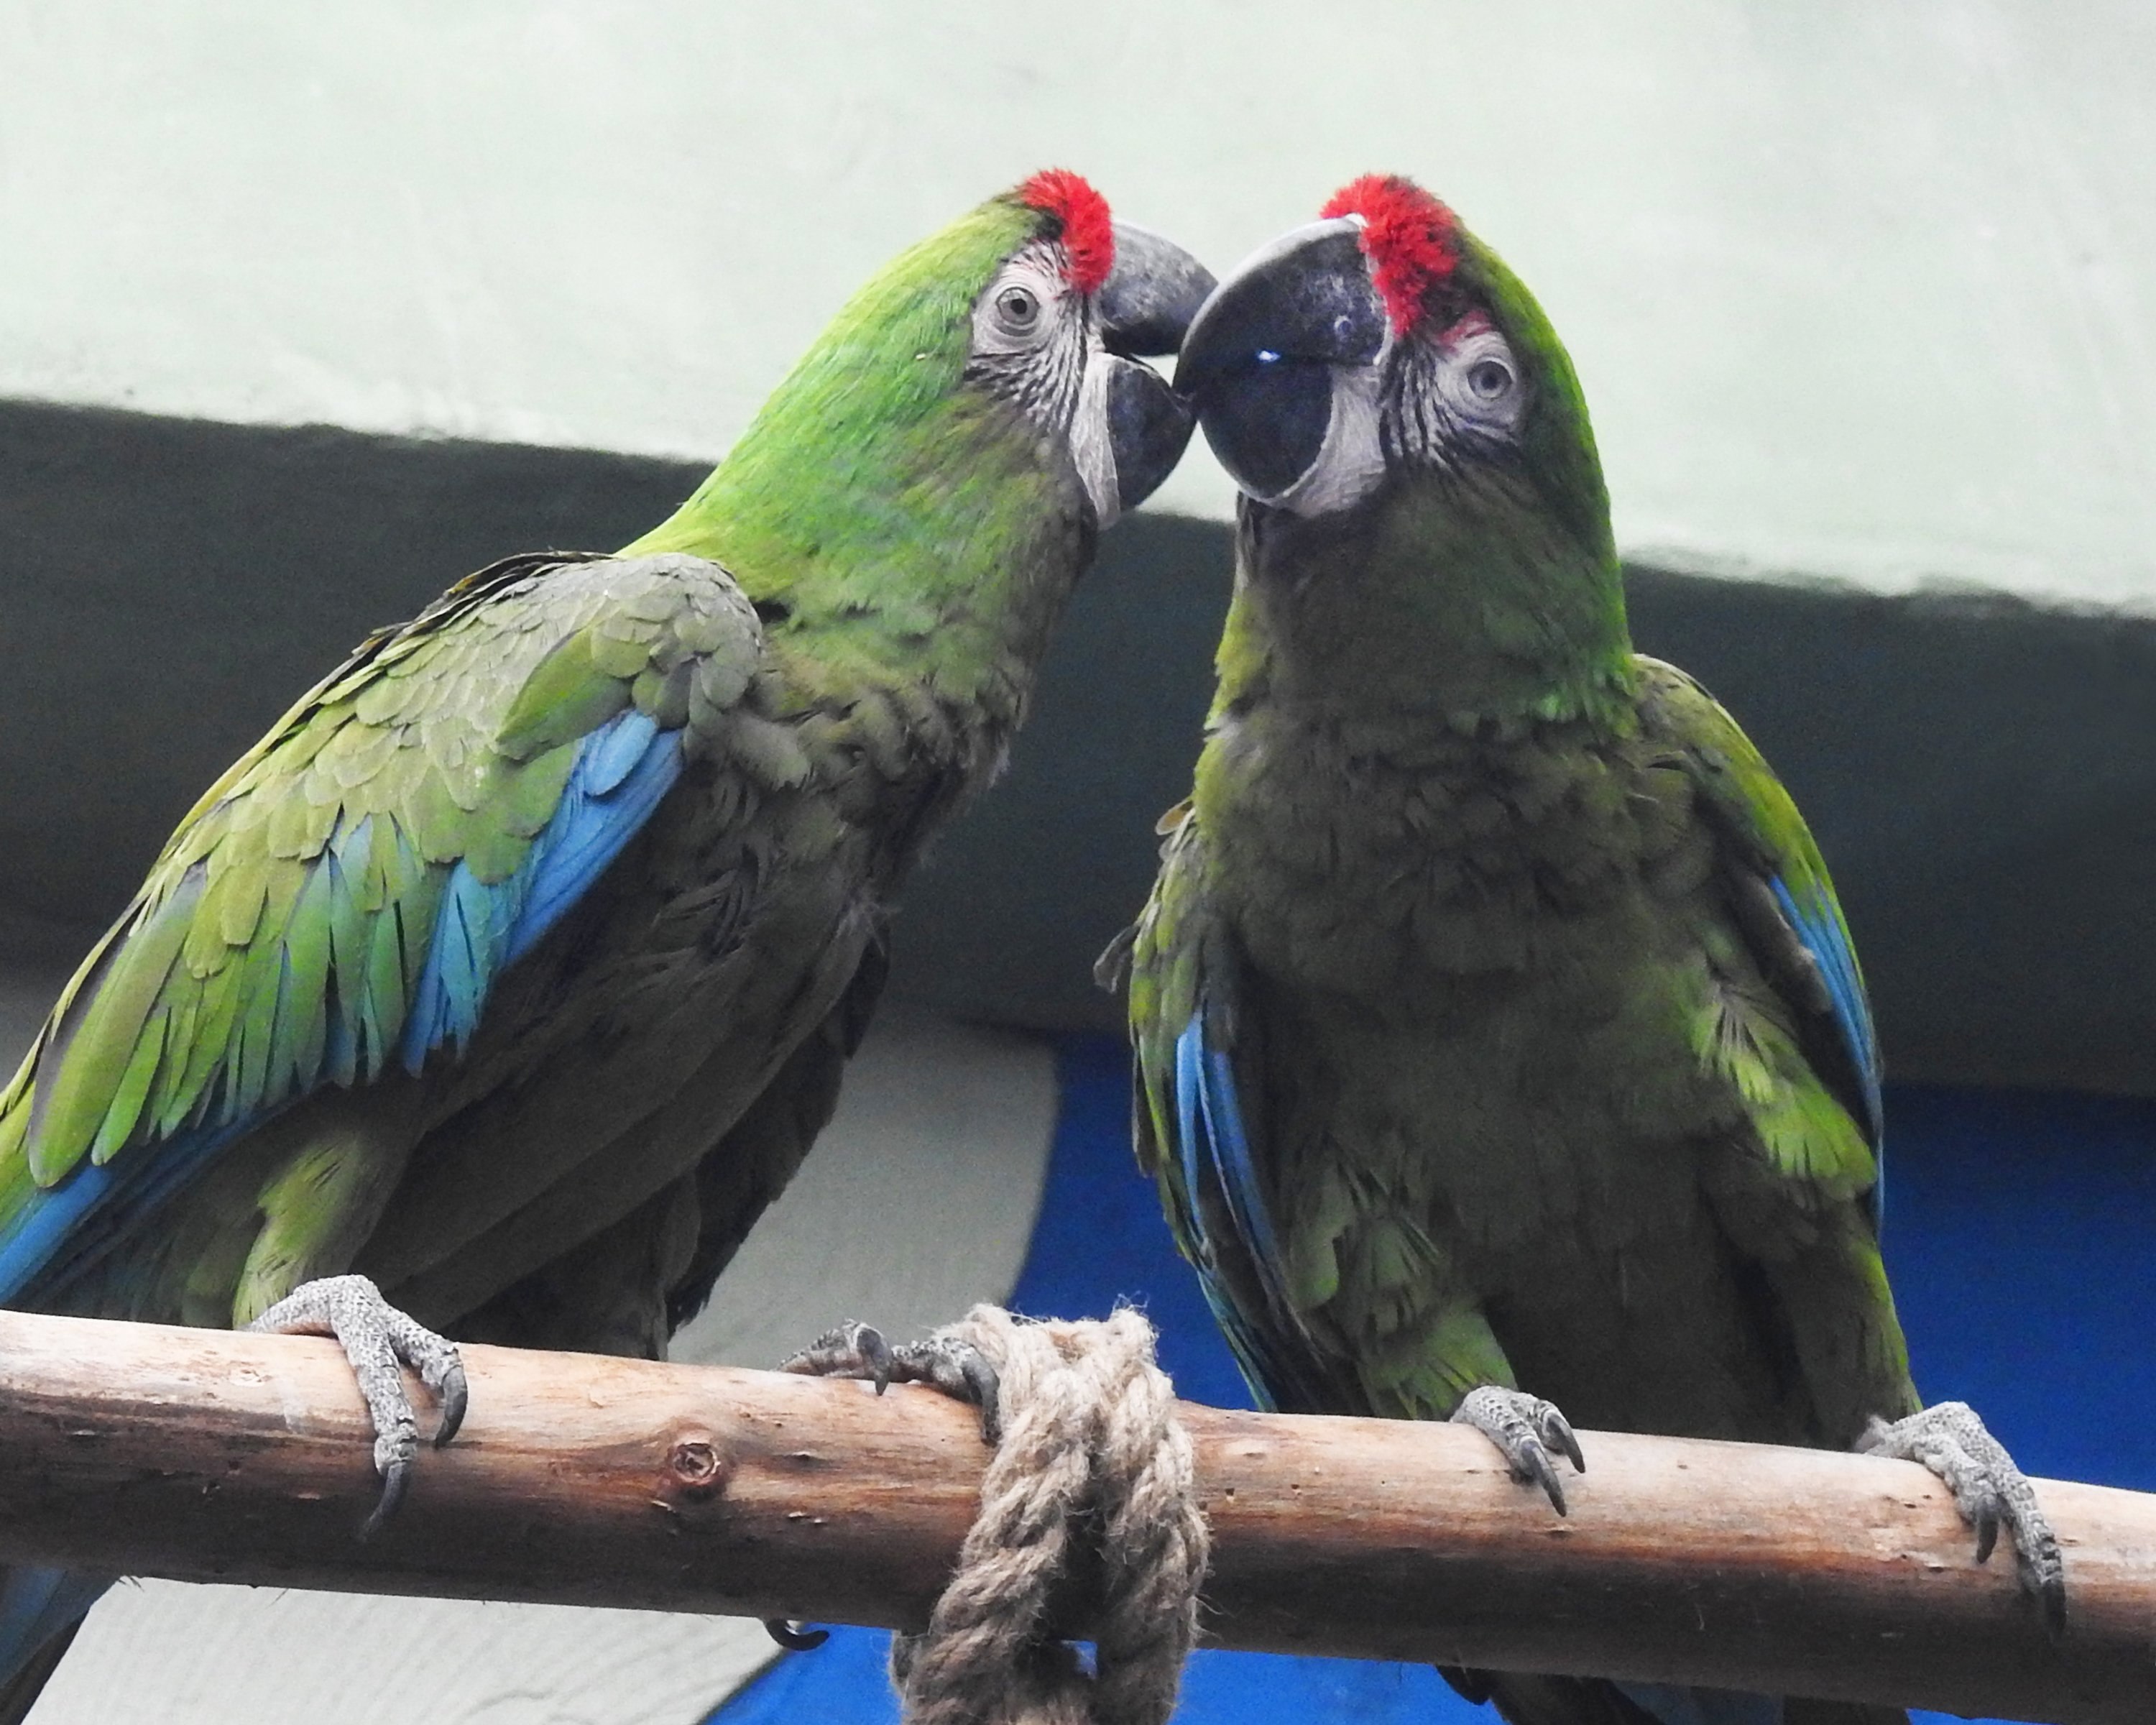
(1089, 232)
(1410, 238)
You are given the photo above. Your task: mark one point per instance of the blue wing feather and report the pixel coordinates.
(1216, 1153)
(623, 770)
(599, 813)
(1825, 937)
(612, 751)
(1234, 1164)
(64, 1229)
(1189, 1107)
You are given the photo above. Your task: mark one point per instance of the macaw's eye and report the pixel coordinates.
(1490, 378)
(1478, 379)
(1017, 309)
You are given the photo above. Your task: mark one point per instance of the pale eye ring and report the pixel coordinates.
(1017, 309)
(1489, 379)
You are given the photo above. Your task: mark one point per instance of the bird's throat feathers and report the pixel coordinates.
(1434, 600)
(878, 509)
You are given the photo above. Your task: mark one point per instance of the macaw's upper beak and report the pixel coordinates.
(1150, 295)
(1145, 305)
(1258, 360)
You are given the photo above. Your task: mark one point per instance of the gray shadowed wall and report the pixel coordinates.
(1977, 768)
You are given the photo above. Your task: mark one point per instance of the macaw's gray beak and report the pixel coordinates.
(1149, 426)
(1145, 305)
(1259, 358)
(1150, 295)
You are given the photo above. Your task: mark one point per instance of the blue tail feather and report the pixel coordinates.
(1825, 938)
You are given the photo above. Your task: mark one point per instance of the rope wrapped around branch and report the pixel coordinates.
(1091, 1453)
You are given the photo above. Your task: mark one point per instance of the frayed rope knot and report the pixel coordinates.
(1092, 1453)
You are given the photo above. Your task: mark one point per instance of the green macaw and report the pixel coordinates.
(1498, 1035)
(514, 970)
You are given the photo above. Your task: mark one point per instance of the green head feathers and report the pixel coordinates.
(840, 455)
(930, 479)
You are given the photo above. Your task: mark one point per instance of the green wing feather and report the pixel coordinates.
(1199, 1120)
(279, 938)
(1797, 1042)
(1802, 1051)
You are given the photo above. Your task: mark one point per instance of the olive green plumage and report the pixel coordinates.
(1504, 1041)
(1494, 1021)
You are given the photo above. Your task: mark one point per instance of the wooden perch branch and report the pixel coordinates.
(210, 1456)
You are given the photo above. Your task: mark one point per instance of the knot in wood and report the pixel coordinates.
(696, 1465)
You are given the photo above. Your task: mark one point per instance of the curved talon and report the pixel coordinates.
(394, 1484)
(877, 1352)
(1991, 1491)
(2052, 1600)
(1538, 1464)
(1525, 1429)
(957, 1368)
(1558, 1429)
(792, 1638)
(456, 1398)
(984, 1389)
(849, 1350)
(379, 1342)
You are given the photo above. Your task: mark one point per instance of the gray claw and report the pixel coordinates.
(456, 1396)
(984, 1384)
(1989, 1489)
(961, 1371)
(1557, 1429)
(958, 1369)
(850, 1350)
(1525, 1429)
(379, 1341)
(395, 1481)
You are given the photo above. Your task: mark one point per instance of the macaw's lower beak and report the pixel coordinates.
(1149, 426)
(1145, 305)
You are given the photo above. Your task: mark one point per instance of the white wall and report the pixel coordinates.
(1858, 288)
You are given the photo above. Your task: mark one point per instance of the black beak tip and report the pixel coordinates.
(1151, 295)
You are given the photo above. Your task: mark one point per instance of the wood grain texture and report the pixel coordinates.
(208, 1455)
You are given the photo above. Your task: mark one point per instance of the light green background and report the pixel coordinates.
(1863, 288)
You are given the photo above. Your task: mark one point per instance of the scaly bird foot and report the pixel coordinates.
(858, 1350)
(1989, 1489)
(1525, 1429)
(376, 1339)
